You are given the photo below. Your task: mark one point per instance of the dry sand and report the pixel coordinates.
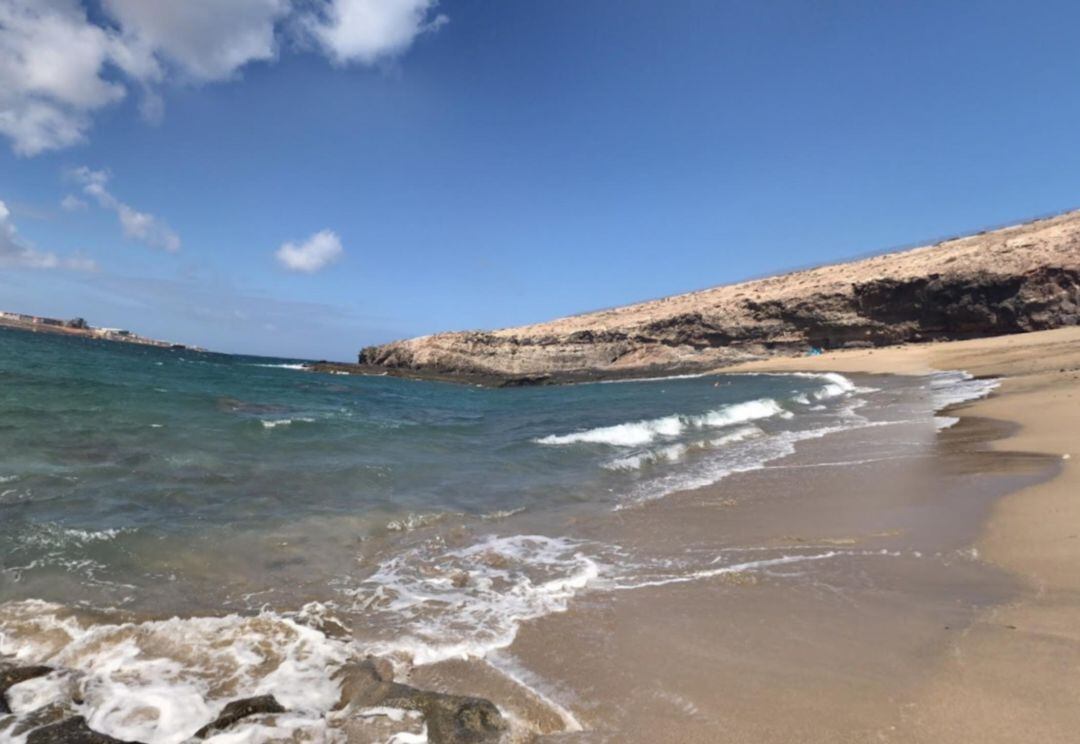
(1014, 674)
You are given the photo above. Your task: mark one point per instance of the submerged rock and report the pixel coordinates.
(239, 709)
(72, 731)
(11, 676)
(450, 719)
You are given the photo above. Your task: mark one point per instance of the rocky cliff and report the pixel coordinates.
(1016, 279)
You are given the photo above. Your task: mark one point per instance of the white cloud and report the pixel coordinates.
(72, 203)
(51, 58)
(315, 253)
(368, 30)
(58, 67)
(141, 226)
(204, 39)
(18, 253)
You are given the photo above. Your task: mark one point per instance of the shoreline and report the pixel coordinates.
(808, 596)
(1012, 676)
(830, 649)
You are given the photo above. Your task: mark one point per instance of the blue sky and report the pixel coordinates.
(304, 178)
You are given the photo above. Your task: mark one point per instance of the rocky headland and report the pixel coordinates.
(1012, 280)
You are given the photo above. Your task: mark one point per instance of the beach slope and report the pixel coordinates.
(1012, 676)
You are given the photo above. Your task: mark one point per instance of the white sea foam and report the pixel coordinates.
(394, 714)
(946, 389)
(281, 366)
(675, 452)
(762, 564)
(158, 682)
(836, 385)
(751, 454)
(51, 536)
(637, 433)
(737, 413)
(622, 435)
(274, 423)
(37, 693)
(952, 388)
(465, 602)
(404, 737)
(670, 453)
(945, 422)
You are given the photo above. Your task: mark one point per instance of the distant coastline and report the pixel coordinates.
(79, 328)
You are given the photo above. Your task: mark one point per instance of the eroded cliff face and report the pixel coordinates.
(1017, 279)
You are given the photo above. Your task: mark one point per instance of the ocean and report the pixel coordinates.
(179, 529)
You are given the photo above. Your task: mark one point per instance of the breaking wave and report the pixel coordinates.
(675, 452)
(637, 433)
(952, 388)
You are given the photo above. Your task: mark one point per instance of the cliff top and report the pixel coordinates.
(1013, 250)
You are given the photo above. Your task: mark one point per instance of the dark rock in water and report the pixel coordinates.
(43, 716)
(72, 731)
(450, 719)
(238, 709)
(11, 676)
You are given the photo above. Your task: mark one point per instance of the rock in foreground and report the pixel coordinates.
(71, 731)
(450, 719)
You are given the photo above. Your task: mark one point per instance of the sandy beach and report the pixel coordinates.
(1013, 675)
(869, 560)
(943, 610)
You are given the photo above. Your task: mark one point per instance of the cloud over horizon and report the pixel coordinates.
(314, 254)
(58, 67)
(15, 252)
(140, 226)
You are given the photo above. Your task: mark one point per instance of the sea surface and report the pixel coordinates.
(178, 529)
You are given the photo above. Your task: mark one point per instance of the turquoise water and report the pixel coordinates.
(178, 529)
(112, 454)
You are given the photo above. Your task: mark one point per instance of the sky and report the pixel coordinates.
(302, 178)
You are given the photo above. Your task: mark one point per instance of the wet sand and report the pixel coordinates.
(1014, 674)
(931, 594)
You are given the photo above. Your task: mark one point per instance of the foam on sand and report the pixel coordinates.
(466, 602)
(762, 564)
